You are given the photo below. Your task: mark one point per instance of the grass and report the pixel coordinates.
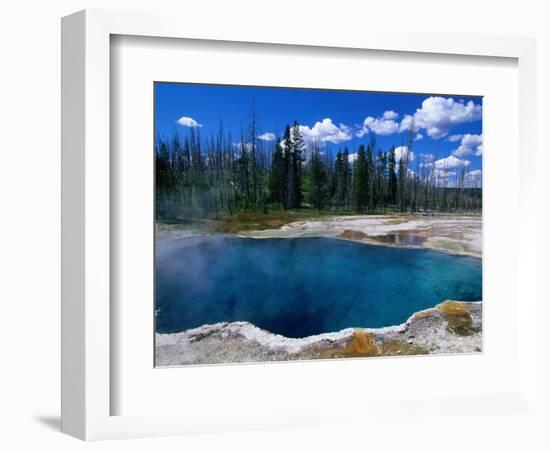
(257, 220)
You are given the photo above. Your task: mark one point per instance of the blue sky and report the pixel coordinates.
(447, 127)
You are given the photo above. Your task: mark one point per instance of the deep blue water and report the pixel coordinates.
(303, 286)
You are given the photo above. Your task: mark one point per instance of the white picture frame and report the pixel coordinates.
(87, 354)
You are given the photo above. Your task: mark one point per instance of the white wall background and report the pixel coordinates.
(30, 199)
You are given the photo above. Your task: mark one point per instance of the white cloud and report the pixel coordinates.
(384, 125)
(188, 122)
(439, 115)
(403, 152)
(390, 115)
(407, 123)
(326, 131)
(454, 137)
(469, 144)
(427, 157)
(267, 137)
(450, 162)
(352, 157)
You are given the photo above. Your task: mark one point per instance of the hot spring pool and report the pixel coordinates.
(303, 286)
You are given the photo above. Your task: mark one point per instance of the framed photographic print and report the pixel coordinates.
(247, 246)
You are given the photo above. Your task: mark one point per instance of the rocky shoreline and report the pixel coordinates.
(456, 234)
(448, 328)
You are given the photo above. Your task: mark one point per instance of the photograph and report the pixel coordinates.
(297, 224)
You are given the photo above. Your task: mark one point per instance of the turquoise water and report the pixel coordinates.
(303, 286)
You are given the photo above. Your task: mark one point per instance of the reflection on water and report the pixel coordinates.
(404, 237)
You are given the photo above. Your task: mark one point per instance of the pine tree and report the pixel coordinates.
(295, 178)
(317, 182)
(345, 180)
(287, 173)
(392, 177)
(336, 180)
(252, 158)
(243, 177)
(370, 179)
(360, 181)
(277, 180)
(381, 180)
